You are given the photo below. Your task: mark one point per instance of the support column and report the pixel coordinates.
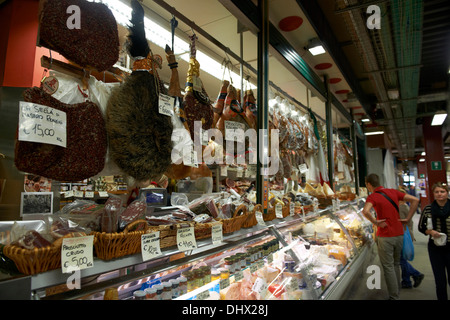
(262, 189)
(435, 161)
(329, 126)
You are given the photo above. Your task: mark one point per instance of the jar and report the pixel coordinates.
(167, 291)
(206, 274)
(182, 286)
(175, 288)
(248, 259)
(150, 293)
(215, 275)
(224, 273)
(229, 264)
(198, 276)
(159, 291)
(189, 275)
(139, 295)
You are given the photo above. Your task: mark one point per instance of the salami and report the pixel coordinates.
(250, 108)
(85, 152)
(91, 44)
(220, 102)
(196, 103)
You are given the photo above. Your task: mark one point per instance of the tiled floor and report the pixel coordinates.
(421, 262)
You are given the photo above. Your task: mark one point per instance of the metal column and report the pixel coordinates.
(329, 126)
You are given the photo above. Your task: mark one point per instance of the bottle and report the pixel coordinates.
(150, 293)
(182, 286)
(159, 291)
(175, 288)
(139, 295)
(167, 291)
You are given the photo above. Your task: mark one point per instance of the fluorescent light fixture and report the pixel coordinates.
(421, 160)
(161, 36)
(373, 133)
(439, 118)
(365, 120)
(423, 153)
(315, 47)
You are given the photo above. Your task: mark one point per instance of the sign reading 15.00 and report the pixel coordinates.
(38, 123)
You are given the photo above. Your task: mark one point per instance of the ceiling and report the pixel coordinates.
(395, 75)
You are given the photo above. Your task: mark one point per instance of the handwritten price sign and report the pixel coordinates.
(150, 244)
(76, 253)
(186, 239)
(39, 123)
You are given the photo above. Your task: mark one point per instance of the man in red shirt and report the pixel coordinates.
(389, 228)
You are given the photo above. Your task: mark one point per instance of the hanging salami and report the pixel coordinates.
(220, 102)
(92, 42)
(139, 136)
(250, 108)
(196, 104)
(84, 155)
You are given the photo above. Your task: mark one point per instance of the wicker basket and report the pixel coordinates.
(32, 261)
(286, 211)
(235, 223)
(251, 217)
(270, 215)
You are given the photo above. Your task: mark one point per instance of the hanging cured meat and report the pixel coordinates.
(84, 155)
(94, 42)
(176, 171)
(196, 104)
(139, 136)
(250, 108)
(220, 102)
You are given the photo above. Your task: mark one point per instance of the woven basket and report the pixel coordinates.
(251, 217)
(324, 202)
(286, 211)
(235, 223)
(32, 261)
(108, 246)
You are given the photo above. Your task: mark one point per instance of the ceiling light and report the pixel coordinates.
(373, 133)
(439, 118)
(315, 47)
(422, 160)
(423, 153)
(365, 120)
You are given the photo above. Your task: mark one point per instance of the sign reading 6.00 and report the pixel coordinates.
(39, 123)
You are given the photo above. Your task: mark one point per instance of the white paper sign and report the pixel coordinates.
(223, 170)
(165, 104)
(303, 168)
(234, 131)
(39, 123)
(292, 209)
(150, 245)
(103, 194)
(89, 194)
(260, 286)
(78, 194)
(186, 239)
(217, 233)
(259, 218)
(77, 253)
(279, 211)
(68, 194)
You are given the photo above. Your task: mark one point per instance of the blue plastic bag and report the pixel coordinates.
(408, 246)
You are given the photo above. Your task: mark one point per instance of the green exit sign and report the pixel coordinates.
(436, 165)
(422, 176)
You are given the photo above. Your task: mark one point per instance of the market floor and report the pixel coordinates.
(421, 262)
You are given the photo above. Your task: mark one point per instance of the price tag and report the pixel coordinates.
(68, 194)
(225, 283)
(253, 267)
(186, 239)
(260, 286)
(260, 264)
(78, 194)
(238, 276)
(77, 253)
(279, 211)
(203, 295)
(303, 168)
(39, 123)
(259, 218)
(205, 137)
(292, 209)
(251, 171)
(217, 233)
(103, 194)
(234, 131)
(224, 171)
(165, 104)
(239, 172)
(270, 258)
(150, 244)
(89, 194)
(190, 159)
(197, 84)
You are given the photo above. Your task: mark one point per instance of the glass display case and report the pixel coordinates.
(300, 257)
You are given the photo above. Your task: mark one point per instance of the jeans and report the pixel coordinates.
(390, 251)
(440, 263)
(408, 271)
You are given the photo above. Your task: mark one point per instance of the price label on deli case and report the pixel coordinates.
(77, 253)
(150, 245)
(186, 239)
(39, 123)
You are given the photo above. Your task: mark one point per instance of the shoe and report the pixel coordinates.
(406, 286)
(418, 280)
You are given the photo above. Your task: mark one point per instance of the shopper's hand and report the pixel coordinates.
(381, 223)
(435, 234)
(403, 221)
